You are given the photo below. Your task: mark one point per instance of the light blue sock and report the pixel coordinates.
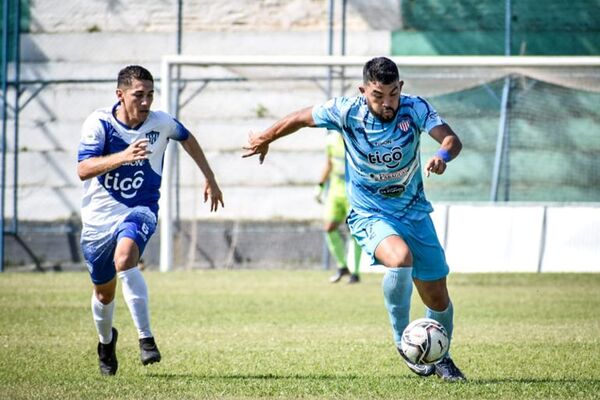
(397, 290)
(445, 318)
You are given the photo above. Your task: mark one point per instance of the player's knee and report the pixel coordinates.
(399, 260)
(123, 262)
(439, 304)
(105, 297)
(437, 301)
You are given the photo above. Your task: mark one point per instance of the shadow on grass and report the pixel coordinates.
(471, 382)
(252, 377)
(533, 380)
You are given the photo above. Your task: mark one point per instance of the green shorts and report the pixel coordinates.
(336, 207)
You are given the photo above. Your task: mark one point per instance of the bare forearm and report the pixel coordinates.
(96, 166)
(449, 142)
(452, 145)
(211, 188)
(258, 143)
(192, 147)
(288, 125)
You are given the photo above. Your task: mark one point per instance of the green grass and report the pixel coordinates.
(277, 334)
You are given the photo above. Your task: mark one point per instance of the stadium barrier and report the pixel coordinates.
(485, 237)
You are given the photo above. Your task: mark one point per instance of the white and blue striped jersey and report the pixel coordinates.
(108, 198)
(383, 174)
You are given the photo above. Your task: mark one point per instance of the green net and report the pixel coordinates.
(551, 144)
(468, 27)
(552, 133)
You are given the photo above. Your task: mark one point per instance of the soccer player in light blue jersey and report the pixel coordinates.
(389, 214)
(120, 163)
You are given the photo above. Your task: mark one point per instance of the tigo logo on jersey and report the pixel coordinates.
(390, 159)
(128, 187)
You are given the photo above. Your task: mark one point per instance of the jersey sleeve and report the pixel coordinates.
(330, 115)
(428, 118)
(92, 139)
(180, 132)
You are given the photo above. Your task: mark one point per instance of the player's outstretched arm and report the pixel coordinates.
(94, 166)
(211, 188)
(258, 143)
(450, 147)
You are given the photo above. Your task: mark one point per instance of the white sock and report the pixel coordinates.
(103, 317)
(135, 293)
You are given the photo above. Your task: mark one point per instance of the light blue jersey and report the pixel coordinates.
(383, 174)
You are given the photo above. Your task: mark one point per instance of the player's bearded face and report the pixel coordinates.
(136, 101)
(383, 100)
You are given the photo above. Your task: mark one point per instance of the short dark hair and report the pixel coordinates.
(131, 72)
(381, 69)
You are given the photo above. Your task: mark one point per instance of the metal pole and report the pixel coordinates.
(175, 109)
(179, 24)
(507, 27)
(343, 46)
(501, 154)
(506, 143)
(17, 88)
(543, 234)
(4, 73)
(500, 140)
(330, 48)
(330, 22)
(166, 227)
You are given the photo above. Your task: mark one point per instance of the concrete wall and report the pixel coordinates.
(72, 42)
(199, 15)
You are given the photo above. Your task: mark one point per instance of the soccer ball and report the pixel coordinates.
(424, 341)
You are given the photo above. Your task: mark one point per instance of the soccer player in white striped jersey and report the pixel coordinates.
(389, 214)
(120, 162)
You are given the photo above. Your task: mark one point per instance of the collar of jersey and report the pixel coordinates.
(114, 115)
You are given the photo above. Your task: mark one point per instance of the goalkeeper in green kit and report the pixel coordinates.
(337, 208)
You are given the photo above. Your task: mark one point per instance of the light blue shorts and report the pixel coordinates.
(99, 247)
(429, 260)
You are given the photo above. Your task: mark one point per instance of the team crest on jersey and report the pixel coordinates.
(404, 124)
(152, 136)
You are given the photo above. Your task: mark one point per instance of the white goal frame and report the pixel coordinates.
(170, 61)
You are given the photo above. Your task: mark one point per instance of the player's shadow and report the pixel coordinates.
(168, 375)
(532, 380)
(350, 377)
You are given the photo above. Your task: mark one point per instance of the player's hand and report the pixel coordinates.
(318, 193)
(435, 165)
(212, 191)
(256, 145)
(137, 150)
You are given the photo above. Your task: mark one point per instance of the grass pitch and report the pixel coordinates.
(290, 334)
